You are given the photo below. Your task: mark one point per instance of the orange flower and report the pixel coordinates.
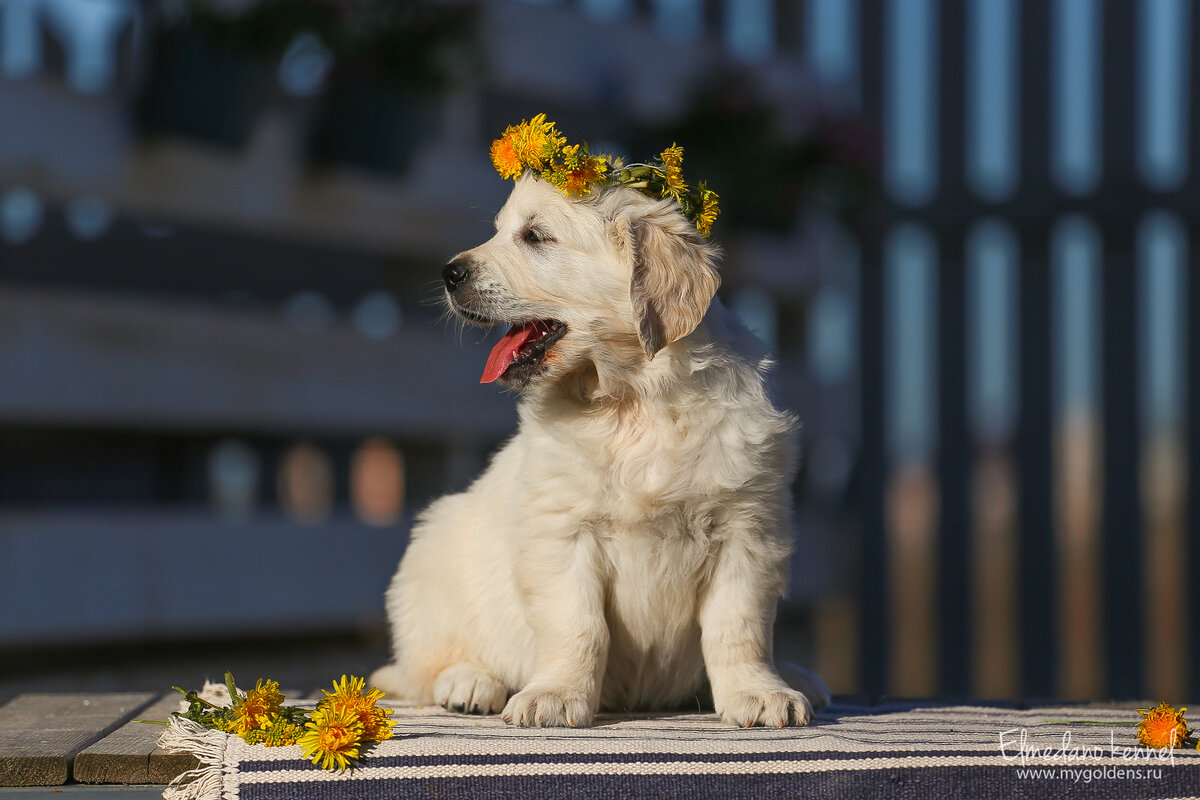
(1162, 726)
(577, 171)
(504, 157)
(527, 145)
(257, 707)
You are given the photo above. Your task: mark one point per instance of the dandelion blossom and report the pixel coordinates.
(332, 738)
(672, 159)
(1162, 726)
(348, 696)
(377, 727)
(577, 171)
(258, 706)
(504, 157)
(709, 210)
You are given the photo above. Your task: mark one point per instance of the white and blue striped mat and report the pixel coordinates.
(897, 750)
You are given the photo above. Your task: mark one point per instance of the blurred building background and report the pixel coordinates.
(225, 387)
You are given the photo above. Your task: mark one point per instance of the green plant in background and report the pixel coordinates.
(429, 43)
(421, 41)
(768, 170)
(262, 29)
(214, 66)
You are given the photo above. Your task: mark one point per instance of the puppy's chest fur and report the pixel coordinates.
(650, 487)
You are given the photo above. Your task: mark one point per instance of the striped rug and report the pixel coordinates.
(899, 750)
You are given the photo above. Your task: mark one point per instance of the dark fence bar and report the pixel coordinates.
(872, 483)
(1035, 477)
(1034, 436)
(954, 478)
(1121, 507)
(954, 435)
(1192, 511)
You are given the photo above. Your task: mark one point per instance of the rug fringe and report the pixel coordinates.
(205, 782)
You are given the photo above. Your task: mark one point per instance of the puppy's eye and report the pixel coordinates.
(535, 236)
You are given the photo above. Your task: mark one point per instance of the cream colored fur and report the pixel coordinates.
(627, 547)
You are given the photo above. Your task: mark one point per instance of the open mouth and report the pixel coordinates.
(522, 350)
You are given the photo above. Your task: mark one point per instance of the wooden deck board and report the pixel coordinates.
(40, 734)
(130, 754)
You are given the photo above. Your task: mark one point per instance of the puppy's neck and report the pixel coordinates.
(592, 391)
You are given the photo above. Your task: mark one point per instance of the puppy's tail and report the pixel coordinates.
(805, 681)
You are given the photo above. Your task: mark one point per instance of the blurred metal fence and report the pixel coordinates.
(1031, 463)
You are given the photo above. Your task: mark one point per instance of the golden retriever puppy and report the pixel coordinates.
(626, 549)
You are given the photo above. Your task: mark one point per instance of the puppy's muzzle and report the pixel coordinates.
(457, 272)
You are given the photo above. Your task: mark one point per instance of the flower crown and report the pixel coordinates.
(537, 146)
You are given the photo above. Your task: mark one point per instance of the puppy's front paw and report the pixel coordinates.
(548, 708)
(772, 709)
(469, 689)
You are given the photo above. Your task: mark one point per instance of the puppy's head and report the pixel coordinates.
(591, 288)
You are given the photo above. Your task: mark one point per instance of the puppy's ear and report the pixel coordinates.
(674, 276)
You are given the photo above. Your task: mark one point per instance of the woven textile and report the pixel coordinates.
(904, 750)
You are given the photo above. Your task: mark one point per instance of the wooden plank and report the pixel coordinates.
(124, 755)
(130, 754)
(41, 733)
(154, 365)
(103, 554)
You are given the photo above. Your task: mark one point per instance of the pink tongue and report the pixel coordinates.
(505, 351)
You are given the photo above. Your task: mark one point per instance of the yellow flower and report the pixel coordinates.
(275, 732)
(576, 172)
(539, 142)
(709, 209)
(332, 738)
(347, 688)
(222, 723)
(257, 707)
(672, 158)
(377, 727)
(527, 145)
(279, 732)
(347, 696)
(1162, 726)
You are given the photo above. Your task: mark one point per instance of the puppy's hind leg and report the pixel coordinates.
(469, 689)
(389, 678)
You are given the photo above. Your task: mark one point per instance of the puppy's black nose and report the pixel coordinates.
(456, 272)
